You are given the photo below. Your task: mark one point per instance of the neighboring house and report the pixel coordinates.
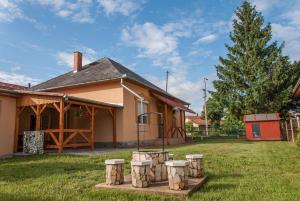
(198, 122)
(296, 91)
(97, 105)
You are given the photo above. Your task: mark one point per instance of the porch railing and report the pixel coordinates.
(70, 138)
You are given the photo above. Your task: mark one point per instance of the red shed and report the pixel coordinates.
(262, 127)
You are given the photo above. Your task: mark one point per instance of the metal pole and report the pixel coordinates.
(205, 109)
(167, 79)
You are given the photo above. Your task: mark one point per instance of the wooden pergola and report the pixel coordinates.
(170, 129)
(61, 137)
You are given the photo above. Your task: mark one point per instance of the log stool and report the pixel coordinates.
(114, 171)
(178, 172)
(171, 157)
(196, 166)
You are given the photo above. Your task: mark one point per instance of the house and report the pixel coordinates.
(198, 121)
(262, 127)
(296, 91)
(97, 105)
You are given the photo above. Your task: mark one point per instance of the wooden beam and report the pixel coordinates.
(61, 127)
(88, 110)
(56, 107)
(92, 128)
(292, 130)
(287, 131)
(114, 128)
(43, 108)
(33, 109)
(70, 138)
(53, 137)
(67, 107)
(38, 118)
(88, 104)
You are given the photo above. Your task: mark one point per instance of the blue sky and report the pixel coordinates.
(38, 37)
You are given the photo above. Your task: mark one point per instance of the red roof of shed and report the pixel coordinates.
(262, 117)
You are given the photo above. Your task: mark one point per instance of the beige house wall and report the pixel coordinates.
(7, 124)
(110, 91)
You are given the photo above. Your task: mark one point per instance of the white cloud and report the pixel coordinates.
(78, 11)
(289, 32)
(208, 38)
(150, 39)
(124, 7)
(66, 58)
(9, 11)
(160, 44)
(15, 78)
(264, 5)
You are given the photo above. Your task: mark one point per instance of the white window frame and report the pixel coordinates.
(145, 119)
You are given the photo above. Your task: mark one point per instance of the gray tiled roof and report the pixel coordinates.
(100, 70)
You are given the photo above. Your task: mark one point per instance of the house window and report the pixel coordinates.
(142, 110)
(255, 130)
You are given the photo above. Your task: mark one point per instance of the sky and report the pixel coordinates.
(185, 37)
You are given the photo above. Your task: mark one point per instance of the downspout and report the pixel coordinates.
(135, 94)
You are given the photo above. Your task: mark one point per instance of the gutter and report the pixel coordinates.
(135, 94)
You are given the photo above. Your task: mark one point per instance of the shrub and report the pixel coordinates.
(298, 138)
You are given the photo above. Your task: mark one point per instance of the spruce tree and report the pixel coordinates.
(254, 77)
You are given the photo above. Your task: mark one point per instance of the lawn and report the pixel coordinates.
(237, 170)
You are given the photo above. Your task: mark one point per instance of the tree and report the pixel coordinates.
(189, 127)
(215, 111)
(254, 77)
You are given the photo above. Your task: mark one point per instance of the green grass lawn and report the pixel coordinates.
(237, 170)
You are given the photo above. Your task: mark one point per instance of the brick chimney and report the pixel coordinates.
(77, 66)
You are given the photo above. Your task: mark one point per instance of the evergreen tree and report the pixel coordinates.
(254, 77)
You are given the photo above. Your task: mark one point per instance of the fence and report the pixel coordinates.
(289, 129)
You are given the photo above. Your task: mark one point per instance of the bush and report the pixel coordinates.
(298, 138)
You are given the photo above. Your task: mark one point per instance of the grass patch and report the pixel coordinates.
(238, 170)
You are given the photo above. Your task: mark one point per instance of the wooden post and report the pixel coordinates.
(114, 128)
(298, 123)
(92, 128)
(38, 118)
(166, 123)
(287, 131)
(61, 127)
(292, 130)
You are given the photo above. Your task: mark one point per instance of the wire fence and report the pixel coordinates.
(215, 132)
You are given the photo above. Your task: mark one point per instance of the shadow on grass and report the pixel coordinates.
(19, 169)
